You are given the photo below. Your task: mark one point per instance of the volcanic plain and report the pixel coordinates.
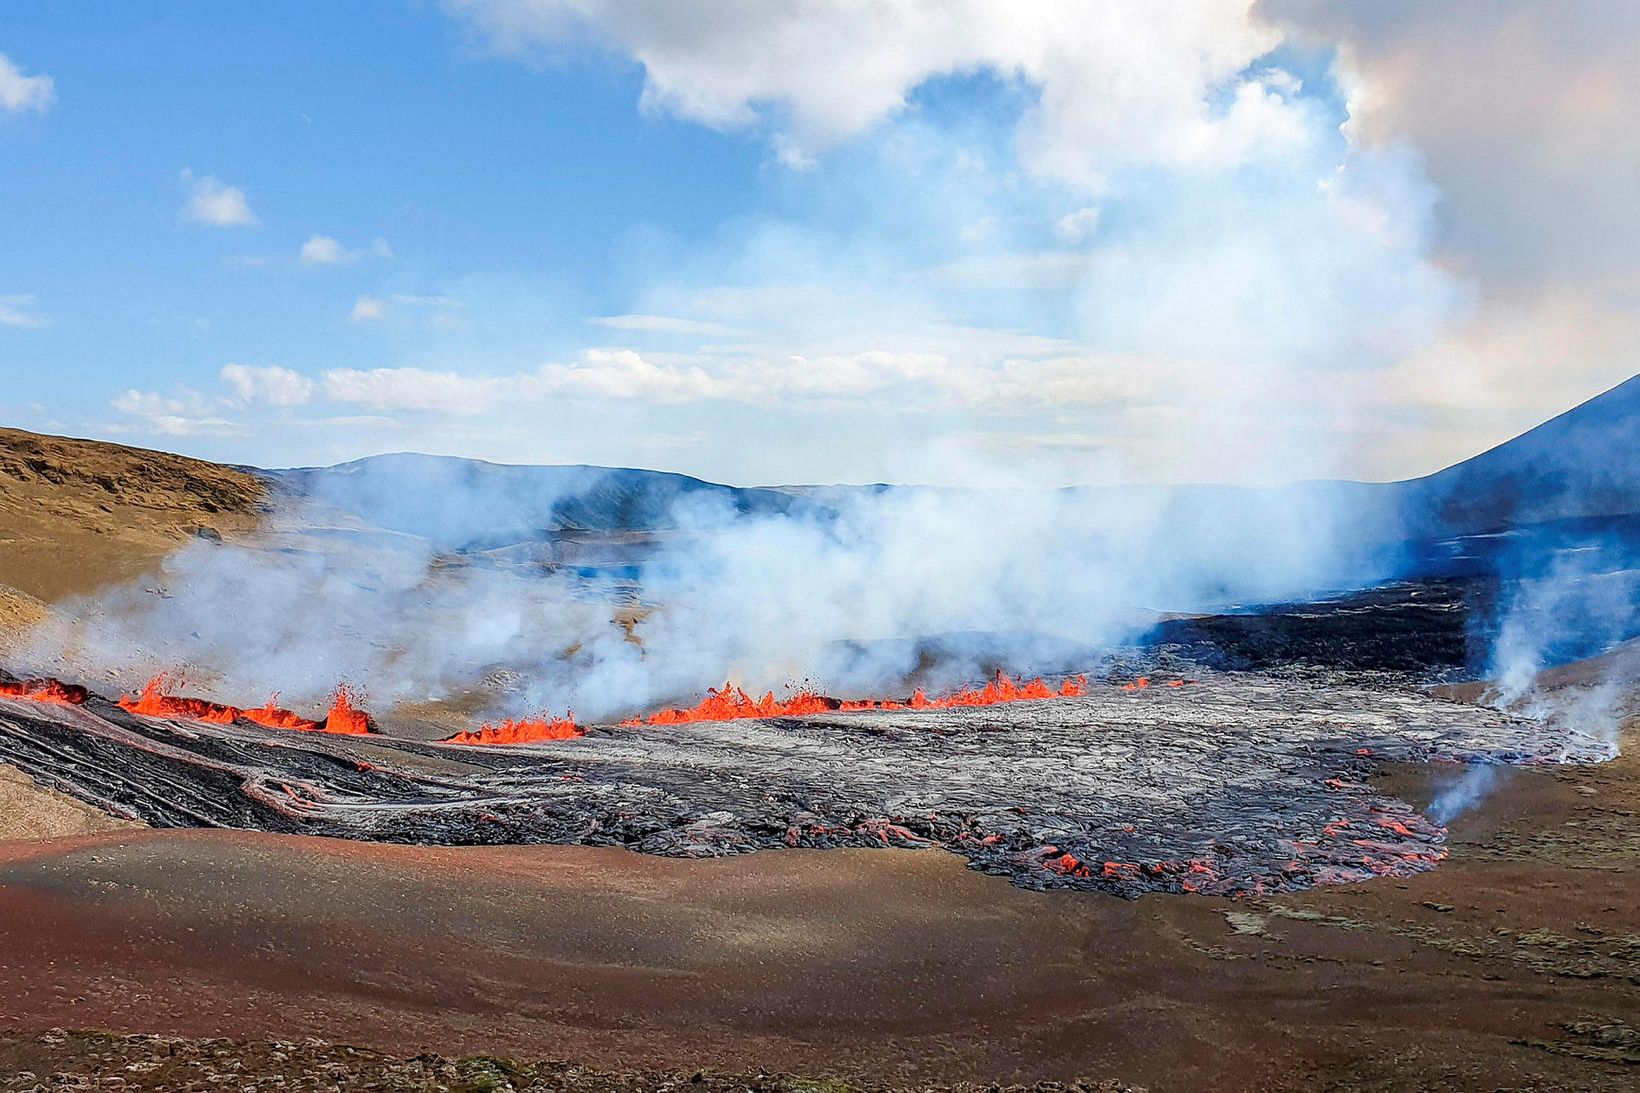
(879, 945)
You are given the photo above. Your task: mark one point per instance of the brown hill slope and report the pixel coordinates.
(79, 514)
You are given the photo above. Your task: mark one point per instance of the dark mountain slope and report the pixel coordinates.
(1584, 463)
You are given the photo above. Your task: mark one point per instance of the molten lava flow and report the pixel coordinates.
(155, 701)
(276, 718)
(520, 732)
(45, 690)
(730, 703)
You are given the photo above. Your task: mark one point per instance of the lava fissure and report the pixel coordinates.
(522, 731)
(731, 703)
(54, 691)
(156, 700)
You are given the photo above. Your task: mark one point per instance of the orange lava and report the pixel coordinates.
(276, 718)
(520, 732)
(155, 701)
(344, 717)
(730, 703)
(54, 691)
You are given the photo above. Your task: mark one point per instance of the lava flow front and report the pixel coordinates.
(154, 700)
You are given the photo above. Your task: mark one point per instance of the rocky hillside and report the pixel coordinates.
(77, 514)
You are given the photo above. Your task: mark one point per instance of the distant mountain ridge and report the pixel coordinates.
(1584, 463)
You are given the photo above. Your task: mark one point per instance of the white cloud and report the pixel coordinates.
(443, 312)
(1527, 116)
(269, 384)
(926, 381)
(212, 203)
(187, 414)
(1041, 270)
(20, 94)
(18, 311)
(321, 250)
(1078, 226)
(1119, 82)
(367, 309)
(413, 389)
(431, 302)
(662, 324)
(324, 250)
(624, 374)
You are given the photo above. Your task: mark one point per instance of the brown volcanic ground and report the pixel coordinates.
(1516, 964)
(77, 514)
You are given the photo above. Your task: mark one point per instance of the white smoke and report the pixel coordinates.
(1463, 793)
(426, 580)
(1574, 609)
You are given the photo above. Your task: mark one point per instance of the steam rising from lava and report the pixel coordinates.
(433, 579)
(1558, 609)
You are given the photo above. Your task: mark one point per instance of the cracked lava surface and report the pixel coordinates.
(1240, 784)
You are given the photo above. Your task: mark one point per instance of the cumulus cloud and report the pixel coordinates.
(20, 94)
(214, 203)
(324, 250)
(1527, 120)
(321, 250)
(187, 414)
(1117, 83)
(17, 310)
(367, 309)
(1136, 227)
(269, 384)
(1527, 117)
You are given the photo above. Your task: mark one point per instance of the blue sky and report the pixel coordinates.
(760, 242)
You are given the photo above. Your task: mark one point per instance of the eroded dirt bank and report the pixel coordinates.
(1516, 964)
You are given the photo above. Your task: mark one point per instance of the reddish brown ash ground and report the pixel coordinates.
(896, 966)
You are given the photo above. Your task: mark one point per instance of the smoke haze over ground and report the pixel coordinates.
(516, 589)
(418, 577)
